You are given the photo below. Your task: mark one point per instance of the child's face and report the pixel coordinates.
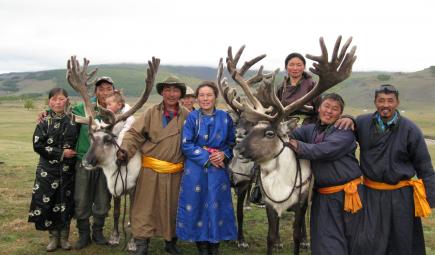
(112, 105)
(57, 103)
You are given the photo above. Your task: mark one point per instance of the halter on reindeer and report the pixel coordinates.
(284, 178)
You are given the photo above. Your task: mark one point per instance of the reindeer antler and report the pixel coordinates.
(152, 69)
(80, 81)
(330, 72)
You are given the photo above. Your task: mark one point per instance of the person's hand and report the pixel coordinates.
(217, 159)
(121, 156)
(345, 123)
(293, 144)
(69, 153)
(41, 116)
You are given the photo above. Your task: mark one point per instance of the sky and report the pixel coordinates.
(41, 35)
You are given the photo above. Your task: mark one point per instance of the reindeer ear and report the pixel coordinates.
(291, 124)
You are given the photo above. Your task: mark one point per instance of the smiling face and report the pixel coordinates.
(295, 68)
(329, 111)
(386, 104)
(102, 91)
(171, 95)
(57, 103)
(206, 99)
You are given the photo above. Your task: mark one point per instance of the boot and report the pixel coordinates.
(141, 246)
(84, 234)
(54, 240)
(202, 248)
(171, 248)
(97, 230)
(213, 249)
(64, 234)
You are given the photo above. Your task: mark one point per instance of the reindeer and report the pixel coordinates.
(121, 178)
(284, 178)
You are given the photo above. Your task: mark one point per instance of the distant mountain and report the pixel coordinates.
(417, 89)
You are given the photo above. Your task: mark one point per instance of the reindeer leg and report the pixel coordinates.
(299, 225)
(131, 245)
(273, 232)
(114, 238)
(241, 191)
(305, 244)
(247, 203)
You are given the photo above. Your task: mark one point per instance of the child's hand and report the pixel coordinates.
(68, 153)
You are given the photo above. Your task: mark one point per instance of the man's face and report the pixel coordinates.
(171, 95)
(102, 91)
(386, 104)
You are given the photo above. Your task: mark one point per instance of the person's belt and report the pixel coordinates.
(422, 208)
(161, 166)
(352, 201)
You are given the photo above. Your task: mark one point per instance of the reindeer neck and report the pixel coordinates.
(281, 163)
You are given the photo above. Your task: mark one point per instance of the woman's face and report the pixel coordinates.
(329, 111)
(206, 98)
(57, 103)
(295, 68)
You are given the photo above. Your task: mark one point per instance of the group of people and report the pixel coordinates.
(183, 190)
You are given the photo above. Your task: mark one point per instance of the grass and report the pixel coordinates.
(16, 180)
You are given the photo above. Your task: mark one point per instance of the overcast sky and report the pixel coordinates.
(42, 34)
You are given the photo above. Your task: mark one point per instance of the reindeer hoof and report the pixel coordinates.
(247, 208)
(242, 245)
(305, 245)
(114, 240)
(278, 246)
(131, 246)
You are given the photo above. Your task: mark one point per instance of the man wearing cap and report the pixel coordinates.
(157, 134)
(91, 195)
(189, 99)
(393, 154)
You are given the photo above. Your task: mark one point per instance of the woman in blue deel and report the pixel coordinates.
(205, 210)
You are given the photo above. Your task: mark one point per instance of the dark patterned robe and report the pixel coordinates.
(52, 205)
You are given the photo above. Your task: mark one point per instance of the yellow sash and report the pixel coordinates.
(161, 166)
(352, 202)
(422, 208)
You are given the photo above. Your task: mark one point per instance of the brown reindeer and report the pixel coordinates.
(121, 178)
(284, 178)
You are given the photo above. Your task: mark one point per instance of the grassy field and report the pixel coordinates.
(17, 169)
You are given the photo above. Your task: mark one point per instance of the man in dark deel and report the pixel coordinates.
(393, 154)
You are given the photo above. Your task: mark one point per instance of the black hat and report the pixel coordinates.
(172, 81)
(102, 79)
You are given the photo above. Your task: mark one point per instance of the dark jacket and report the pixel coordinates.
(333, 160)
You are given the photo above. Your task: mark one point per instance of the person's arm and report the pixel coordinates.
(135, 136)
(189, 147)
(335, 145)
(346, 122)
(422, 163)
(40, 145)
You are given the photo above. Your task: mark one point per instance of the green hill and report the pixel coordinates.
(417, 89)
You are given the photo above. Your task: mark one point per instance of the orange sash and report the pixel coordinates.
(422, 208)
(161, 166)
(352, 202)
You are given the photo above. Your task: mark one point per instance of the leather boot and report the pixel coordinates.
(202, 248)
(64, 234)
(84, 234)
(213, 249)
(97, 230)
(54, 240)
(171, 248)
(141, 246)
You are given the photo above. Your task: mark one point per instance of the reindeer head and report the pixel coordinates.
(266, 139)
(103, 134)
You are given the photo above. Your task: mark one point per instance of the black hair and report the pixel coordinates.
(387, 89)
(294, 55)
(55, 91)
(335, 97)
(210, 84)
